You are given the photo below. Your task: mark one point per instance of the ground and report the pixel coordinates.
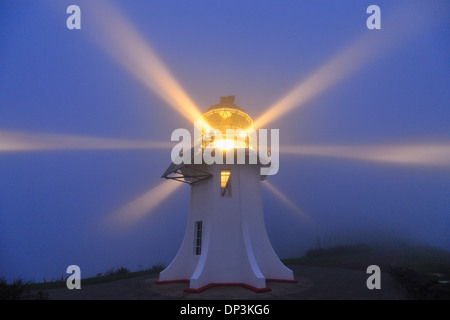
(316, 283)
(336, 273)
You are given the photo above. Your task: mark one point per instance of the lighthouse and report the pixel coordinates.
(225, 242)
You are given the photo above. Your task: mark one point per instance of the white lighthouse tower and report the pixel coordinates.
(226, 242)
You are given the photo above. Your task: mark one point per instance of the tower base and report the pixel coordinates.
(226, 242)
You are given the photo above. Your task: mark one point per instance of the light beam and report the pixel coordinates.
(418, 154)
(143, 205)
(15, 141)
(117, 36)
(408, 21)
(286, 201)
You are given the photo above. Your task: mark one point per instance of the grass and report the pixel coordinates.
(338, 261)
(344, 256)
(112, 274)
(16, 289)
(12, 291)
(426, 260)
(338, 250)
(422, 259)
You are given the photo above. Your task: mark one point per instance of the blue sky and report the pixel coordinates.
(59, 81)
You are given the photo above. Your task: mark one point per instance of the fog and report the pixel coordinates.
(60, 83)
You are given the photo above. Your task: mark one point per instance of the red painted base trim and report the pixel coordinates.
(244, 285)
(282, 280)
(172, 281)
(227, 284)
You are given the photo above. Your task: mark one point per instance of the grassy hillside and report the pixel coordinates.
(421, 259)
(358, 256)
(426, 260)
(13, 291)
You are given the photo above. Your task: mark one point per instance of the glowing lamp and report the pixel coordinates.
(223, 117)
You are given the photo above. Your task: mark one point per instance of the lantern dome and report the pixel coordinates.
(226, 115)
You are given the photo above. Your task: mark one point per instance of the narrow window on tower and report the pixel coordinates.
(198, 238)
(225, 182)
